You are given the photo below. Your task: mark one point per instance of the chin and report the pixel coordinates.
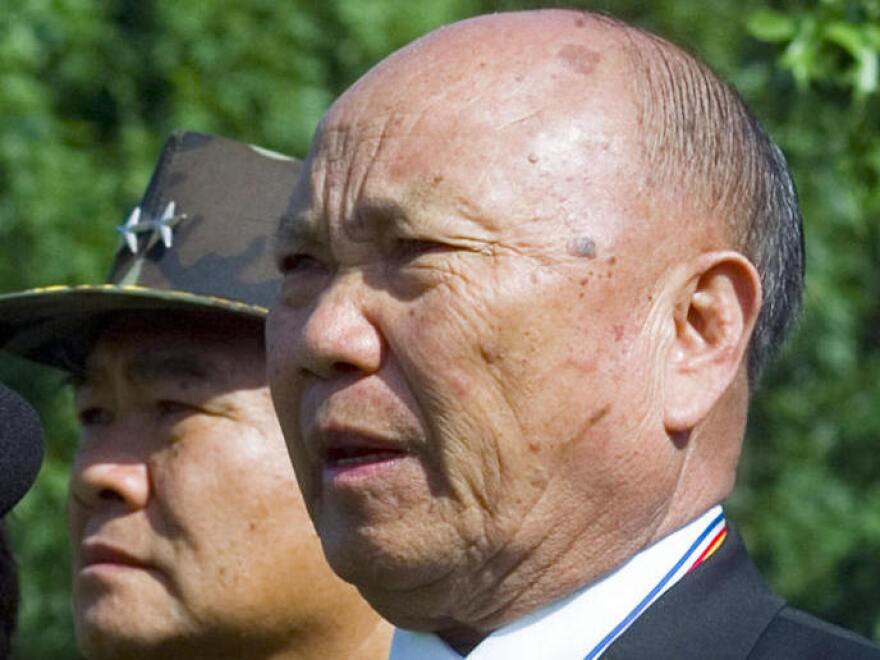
(403, 590)
(116, 642)
(114, 628)
(103, 641)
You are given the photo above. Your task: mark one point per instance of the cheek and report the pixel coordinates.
(538, 371)
(277, 328)
(535, 336)
(283, 374)
(229, 497)
(215, 469)
(281, 336)
(75, 523)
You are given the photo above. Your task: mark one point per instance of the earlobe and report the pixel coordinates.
(717, 305)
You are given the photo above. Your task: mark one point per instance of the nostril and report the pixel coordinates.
(344, 367)
(109, 494)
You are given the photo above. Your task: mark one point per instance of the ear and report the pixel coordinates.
(716, 307)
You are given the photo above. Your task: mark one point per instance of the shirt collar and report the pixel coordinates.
(585, 623)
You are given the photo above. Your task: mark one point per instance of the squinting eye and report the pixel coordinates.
(406, 249)
(169, 407)
(94, 417)
(297, 263)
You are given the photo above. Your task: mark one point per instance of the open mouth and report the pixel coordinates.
(341, 457)
(349, 453)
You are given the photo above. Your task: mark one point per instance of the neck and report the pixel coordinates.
(347, 640)
(675, 551)
(373, 645)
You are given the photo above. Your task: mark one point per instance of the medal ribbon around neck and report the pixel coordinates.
(696, 554)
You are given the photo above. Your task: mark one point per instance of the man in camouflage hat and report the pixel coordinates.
(189, 536)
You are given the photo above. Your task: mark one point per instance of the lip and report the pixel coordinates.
(102, 554)
(349, 454)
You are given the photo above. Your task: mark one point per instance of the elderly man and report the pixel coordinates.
(533, 265)
(189, 537)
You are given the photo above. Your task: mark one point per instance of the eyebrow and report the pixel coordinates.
(294, 228)
(154, 367)
(158, 366)
(374, 215)
(370, 217)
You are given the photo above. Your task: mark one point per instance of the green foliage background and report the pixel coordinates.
(89, 91)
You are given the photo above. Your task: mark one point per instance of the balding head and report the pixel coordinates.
(703, 152)
(509, 352)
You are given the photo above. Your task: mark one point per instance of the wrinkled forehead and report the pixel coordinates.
(473, 114)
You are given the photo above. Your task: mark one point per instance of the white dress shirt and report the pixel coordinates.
(585, 623)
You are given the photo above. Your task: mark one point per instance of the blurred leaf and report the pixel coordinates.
(854, 40)
(771, 26)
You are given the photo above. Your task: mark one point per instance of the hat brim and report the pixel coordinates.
(36, 323)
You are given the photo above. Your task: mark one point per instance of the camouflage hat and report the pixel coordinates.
(200, 240)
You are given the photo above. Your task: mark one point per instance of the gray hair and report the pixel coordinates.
(701, 138)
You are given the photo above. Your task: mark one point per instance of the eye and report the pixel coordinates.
(406, 249)
(299, 262)
(94, 416)
(169, 407)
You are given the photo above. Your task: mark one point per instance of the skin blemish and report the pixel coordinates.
(582, 246)
(594, 419)
(533, 158)
(618, 332)
(612, 260)
(597, 416)
(580, 59)
(580, 21)
(488, 353)
(459, 387)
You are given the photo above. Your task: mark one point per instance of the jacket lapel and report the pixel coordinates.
(719, 610)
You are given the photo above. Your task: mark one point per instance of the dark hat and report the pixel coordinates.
(201, 239)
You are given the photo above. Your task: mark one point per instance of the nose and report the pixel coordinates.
(335, 335)
(107, 472)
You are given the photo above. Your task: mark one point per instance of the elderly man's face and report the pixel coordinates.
(189, 537)
(461, 358)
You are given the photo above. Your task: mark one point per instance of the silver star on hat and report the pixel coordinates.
(161, 228)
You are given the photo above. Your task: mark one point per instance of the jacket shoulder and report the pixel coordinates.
(795, 634)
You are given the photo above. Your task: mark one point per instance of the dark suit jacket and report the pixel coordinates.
(723, 610)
